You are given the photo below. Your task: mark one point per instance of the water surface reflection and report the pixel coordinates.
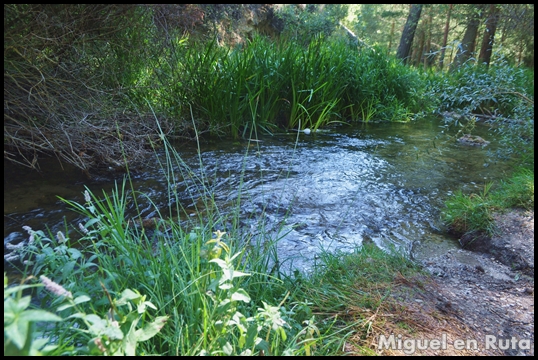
(329, 190)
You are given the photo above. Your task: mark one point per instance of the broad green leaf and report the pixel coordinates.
(14, 289)
(223, 265)
(262, 345)
(94, 319)
(91, 222)
(252, 335)
(239, 274)
(39, 315)
(88, 265)
(67, 269)
(131, 340)
(75, 253)
(228, 349)
(10, 310)
(37, 344)
(241, 295)
(126, 295)
(242, 340)
(224, 303)
(283, 333)
(141, 307)
(77, 316)
(113, 332)
(150, 304)
(82, 299)
(65, 306)
(150, 330)
(17, 332)
(13, 308)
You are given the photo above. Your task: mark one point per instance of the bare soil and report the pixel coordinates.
(481, 295)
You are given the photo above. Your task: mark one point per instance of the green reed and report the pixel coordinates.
(220, 295)
(267, 85)
(473, 212)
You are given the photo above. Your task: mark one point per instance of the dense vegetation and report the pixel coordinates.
(80, 76)
(99, 86)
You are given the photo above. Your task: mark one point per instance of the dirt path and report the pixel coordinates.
(476, 302)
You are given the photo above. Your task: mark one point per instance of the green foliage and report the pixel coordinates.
(517, 191)
(20, 338)
(350, 285)
(215, 302)
(265, 85)
(115, 333)
(371, 22)
(467, 213)
(303, 25)
(496, 89)
(340, 274)
(202, 285)
(51, 255)
(105, 65)
(230, 332)
(500, 92)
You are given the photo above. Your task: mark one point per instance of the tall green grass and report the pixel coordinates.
(466, 213)
(265, 85)
(202, 284)
(187, 286)
(217, 293)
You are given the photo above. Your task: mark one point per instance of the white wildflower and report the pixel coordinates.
(54, 288)
(87, 196)
(61, 238)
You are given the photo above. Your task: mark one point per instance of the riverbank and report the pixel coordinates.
(473, 302)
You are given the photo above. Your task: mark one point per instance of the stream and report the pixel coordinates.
(330, 190)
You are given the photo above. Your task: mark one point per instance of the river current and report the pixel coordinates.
(330, 190)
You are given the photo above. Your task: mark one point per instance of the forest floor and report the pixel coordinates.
(472, 302)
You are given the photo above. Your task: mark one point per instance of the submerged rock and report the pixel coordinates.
(472, 140)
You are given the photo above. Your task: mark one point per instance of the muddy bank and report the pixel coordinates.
(484, 293)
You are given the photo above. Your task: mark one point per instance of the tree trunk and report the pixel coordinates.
(489, 35)
(391, 35)
(445, 38)
(419, 50)
(467, 46)
(409, 32)
(428, 42)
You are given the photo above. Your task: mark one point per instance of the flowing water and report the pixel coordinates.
(330, 190)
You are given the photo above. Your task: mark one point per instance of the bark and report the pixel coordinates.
(468, 43)
(445, 37)
(489, 35)
(428, 43)
(419, 50)
(391, 35)
(409, 32)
